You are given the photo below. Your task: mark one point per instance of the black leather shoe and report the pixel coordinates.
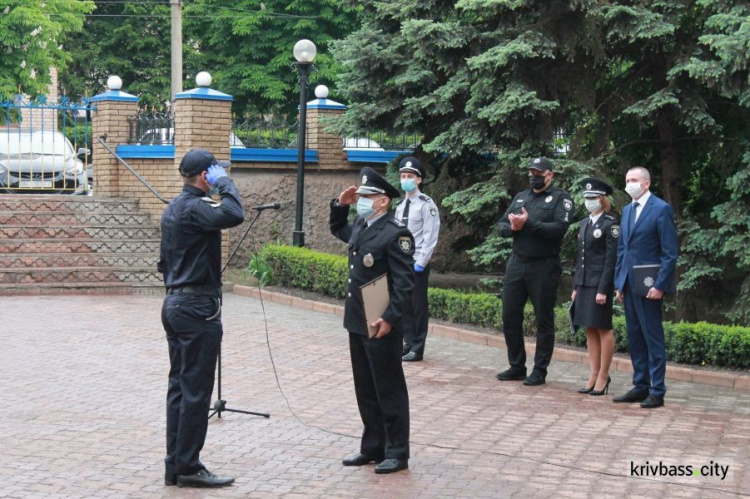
(170, 479)
(652, 402)
(511, 375)
(391, 465)
(411, 357)
(632, 396)
(205, 479)
(359, 460)
(535, 379)
(406, 349)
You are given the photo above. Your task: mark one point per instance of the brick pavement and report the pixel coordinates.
(84, 380)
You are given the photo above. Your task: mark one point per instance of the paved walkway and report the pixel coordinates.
(84, 378)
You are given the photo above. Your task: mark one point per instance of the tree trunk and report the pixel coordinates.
(670, 165)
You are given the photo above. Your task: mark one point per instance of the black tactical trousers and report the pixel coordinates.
(537, 280)
(417, 315)
(194, 331)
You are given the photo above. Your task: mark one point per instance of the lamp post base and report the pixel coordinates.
(298, 238)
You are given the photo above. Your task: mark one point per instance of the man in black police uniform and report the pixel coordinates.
(378, 244)
(191, 263)
(537, 220)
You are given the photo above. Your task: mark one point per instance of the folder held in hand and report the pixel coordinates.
(375, 298)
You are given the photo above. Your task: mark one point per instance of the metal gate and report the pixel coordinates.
(45, 147)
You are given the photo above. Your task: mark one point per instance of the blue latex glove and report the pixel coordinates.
(215, 172)
(418, 268)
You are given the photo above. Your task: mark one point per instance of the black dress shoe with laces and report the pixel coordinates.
(391, 465)
(535, 379)
(205, 479)
(634, 395)
(511, 375)
(652, 402)
(359, 460)
(411, 357)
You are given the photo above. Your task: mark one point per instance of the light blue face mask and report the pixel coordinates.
(409, 185)
(364, 207)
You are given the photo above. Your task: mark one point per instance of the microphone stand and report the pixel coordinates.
(221, 405)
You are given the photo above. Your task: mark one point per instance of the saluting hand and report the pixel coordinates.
(383, 327)
(349, 196)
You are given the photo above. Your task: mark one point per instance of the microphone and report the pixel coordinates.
(267, 206)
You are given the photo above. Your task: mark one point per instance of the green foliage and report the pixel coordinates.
(259, 268)
(32, 40)
(307, 269)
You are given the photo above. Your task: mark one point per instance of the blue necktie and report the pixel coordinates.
(633, 208)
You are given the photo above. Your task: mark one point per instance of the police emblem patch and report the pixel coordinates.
(537, 161)
(408, 164)
(364, 179)
(648, 281)
(404, 242)
(368, 260)
(597, 233)
(568, 204)
(615, 231)
(548, 199)
(433, 211)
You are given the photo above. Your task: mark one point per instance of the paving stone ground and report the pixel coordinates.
(83, 379)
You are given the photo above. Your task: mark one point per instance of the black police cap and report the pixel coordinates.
(540, 164)
(196, 161)
(374, 183)
(412, 165)
(595, 187)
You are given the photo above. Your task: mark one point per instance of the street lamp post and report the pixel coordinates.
(304, 52)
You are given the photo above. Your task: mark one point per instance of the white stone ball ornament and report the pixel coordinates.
(321, 92)
(203, 79)
(114, 82)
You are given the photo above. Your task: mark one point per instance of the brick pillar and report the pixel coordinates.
(329, 146)
(203, 120)
(109, 115)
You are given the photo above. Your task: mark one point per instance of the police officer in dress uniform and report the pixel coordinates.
(190, 261)
(378, 244)
(420, 214)
(594, 282)
(537, 220)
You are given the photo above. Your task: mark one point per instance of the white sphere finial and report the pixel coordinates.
(203, 79)
(321, 92)
(305, 51)
(114, 82)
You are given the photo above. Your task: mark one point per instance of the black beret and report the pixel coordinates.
(595, 187)
(540, 164)
(374, 183)
(411, 164)
(196, 161)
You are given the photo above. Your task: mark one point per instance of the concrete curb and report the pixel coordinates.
(679, 373)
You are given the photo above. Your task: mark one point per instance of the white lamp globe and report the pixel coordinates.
(321, 92)
(114, 82)
(305, 51)
(203, 79)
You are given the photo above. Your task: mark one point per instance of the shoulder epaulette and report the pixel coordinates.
(396, 223)
(425, 197)
(211, 202)
(400, 201)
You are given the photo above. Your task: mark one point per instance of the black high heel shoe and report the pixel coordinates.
(586, 390)
(603, 391)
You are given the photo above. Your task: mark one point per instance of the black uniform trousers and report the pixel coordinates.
(382, 398)
(536, 279)
(417, 314)
(193, 326)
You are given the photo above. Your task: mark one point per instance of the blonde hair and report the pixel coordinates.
(606, 204)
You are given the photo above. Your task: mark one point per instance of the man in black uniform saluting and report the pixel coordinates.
(378, 244)
(537, 220)
(191, 263)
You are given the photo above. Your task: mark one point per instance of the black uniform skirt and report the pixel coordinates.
(590, 314)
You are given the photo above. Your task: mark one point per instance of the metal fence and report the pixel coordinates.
(45, 146)
(383, 141)
(151, 128)
(264, 133)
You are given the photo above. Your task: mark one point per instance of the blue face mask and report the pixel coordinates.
(364, 207)
(409, 185)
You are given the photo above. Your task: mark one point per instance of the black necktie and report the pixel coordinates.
(405, 217)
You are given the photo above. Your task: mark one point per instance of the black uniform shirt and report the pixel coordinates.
(191, 234)
(543, 232)
(386, 246)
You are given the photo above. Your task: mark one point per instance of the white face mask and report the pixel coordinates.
(592, 204)
(634, 189)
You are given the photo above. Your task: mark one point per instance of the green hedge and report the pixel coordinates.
(688, 343)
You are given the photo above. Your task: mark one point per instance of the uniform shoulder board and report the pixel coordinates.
(211, 202)
(608, 216)
(425, 197)
(397, 223)
(400, 201)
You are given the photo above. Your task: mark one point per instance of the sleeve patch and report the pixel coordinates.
(404, 242)
(615, 231)
(568, 204)
(433, 211)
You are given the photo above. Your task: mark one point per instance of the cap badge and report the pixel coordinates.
(408, 164)
(364, 179)
(368, 260)
(588, 186)
(537, 161)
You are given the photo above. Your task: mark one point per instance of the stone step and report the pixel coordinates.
(48, 260)
(66, 204)
(79, 232)
(54, 219)
(82, 245)
(81, 275)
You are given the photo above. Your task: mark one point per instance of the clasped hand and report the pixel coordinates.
(517, 221)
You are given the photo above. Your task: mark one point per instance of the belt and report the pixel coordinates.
(525, 259)
(195, 290)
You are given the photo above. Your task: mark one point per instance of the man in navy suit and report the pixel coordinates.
(648, 237)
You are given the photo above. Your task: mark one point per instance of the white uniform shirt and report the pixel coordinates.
(423, 223)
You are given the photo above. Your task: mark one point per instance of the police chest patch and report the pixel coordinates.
(568, 204)
(615, 231)
(404, 242)
(433, 211)
(548, 199)
(597, 233)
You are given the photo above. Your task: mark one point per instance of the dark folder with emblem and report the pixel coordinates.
(375, 298)
(644, 277)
